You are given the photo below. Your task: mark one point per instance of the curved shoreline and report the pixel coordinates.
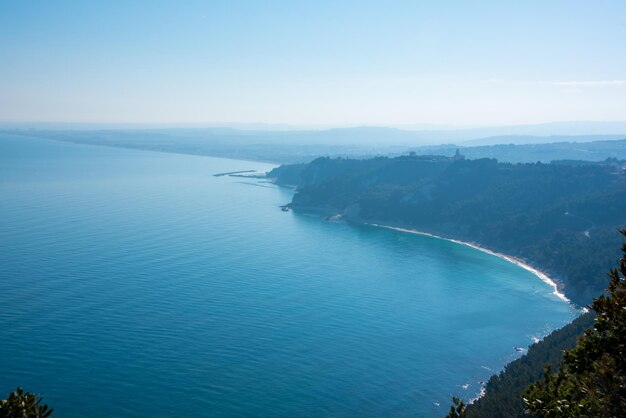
(541, 275)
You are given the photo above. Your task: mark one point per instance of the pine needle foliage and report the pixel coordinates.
(20, 404)
(591, 381)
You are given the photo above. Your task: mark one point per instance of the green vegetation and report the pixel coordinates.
(561, 218)
(23, 405)
(503, 396)
(458, 409)
(589, 355)
(591, 381)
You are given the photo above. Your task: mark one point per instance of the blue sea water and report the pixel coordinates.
(136, 283)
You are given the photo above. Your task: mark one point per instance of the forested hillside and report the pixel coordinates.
(584, 367)
(562, 218)
(503, 397)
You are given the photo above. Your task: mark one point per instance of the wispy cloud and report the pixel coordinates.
(590, 83)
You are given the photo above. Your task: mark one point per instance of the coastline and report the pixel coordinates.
(541, 275)
(483, 392)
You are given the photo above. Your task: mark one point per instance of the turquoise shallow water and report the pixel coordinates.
(137, 284)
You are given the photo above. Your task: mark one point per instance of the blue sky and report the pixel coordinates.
(314, 62)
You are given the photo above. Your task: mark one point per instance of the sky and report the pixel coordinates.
(327, 63)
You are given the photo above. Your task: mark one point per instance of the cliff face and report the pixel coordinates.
(561, 218)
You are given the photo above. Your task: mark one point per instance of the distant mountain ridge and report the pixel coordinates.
(365, 142)
(546, 139)
(418, 133)
(530, 153)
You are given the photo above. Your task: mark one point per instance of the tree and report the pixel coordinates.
(457, 409)
(591, 380)
(23, 405)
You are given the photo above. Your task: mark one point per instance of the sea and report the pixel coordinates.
(138, 284)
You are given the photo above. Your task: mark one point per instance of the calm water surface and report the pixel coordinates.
(135, 283)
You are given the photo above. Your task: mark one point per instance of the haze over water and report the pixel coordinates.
(136, 283)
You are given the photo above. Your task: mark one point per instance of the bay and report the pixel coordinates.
(136, 283)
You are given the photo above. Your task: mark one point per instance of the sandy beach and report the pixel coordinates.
(541, 275)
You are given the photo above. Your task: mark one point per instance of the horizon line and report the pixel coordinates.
(269, 126)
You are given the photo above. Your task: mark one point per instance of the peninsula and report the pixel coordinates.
(560, 218)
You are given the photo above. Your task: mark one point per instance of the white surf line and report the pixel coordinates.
(541, 275)
(483, 392)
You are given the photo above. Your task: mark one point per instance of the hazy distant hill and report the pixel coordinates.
(269, 146)
(562, 218)
(285, 146)
(405, 135)
(530, 153)
(529, 139)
